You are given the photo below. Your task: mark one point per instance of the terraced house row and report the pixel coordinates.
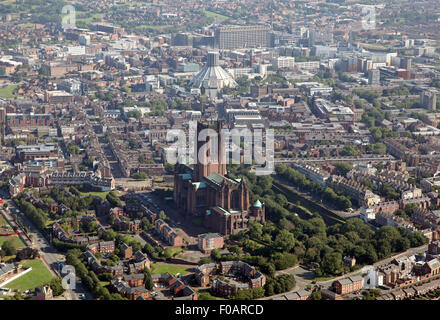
(168, 234)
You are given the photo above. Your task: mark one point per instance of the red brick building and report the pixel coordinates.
(134, 280)
(126, 251)
(348, 285)
(248, 275)
(168, 234)
(179, 290)
(131, 287)
(206, 191)
(431, 268)
(209, 241)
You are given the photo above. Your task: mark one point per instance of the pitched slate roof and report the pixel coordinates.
(215, 178)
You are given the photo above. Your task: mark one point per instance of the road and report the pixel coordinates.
(49, 254)
(304, 277)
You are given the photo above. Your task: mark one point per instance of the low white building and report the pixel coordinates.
(367, 214)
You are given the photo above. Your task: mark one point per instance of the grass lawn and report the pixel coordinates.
(153, 27)
(2, 221)
(99, 194)
(374, 46)
(16, 241)
(143, 4)
(6, 91)
(322, 278)
(175, 251)
(8, 259)
(39, 276)
(88, 18)
(171, 269)
(206, 295)
(104, 283)
(215, 15)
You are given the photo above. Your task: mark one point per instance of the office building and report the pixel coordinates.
(283, 62)
(239, 37)
(428, 99)
(374, 77)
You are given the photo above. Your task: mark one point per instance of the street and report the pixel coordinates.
(49, 254)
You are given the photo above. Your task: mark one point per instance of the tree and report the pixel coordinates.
(370, 255)
(388, 191)
(133, 144)
(110, 235)
(91, 226)
(368, 183)
(281, 199)
(257, 293)
(284, 241)
(88, 282)
(56, 286)
(205, 260)
(139, 176)
(403, 244)
(332, 263)
(146, 224)
(27, 253)
(343, 167)
(134, 114)
(409, 208)
(215, 254)
(245, 294)
(74, 191)
(162, 215)
(376, 132)
(169, 167)
(417, 239)
(234, 249)
(8, 248)
(350, 150)
(117, 296)
(377, 148)
(284, 260)
(113, 199)
(281, 169)
(103, 293)
(316, 296)
(149, 284)
(73, 148)
(255, 230)
(265, 182)
(280, 284)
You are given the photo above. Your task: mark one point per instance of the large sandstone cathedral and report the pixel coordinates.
(206, 191)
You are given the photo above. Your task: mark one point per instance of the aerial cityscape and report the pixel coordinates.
(219, 150)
